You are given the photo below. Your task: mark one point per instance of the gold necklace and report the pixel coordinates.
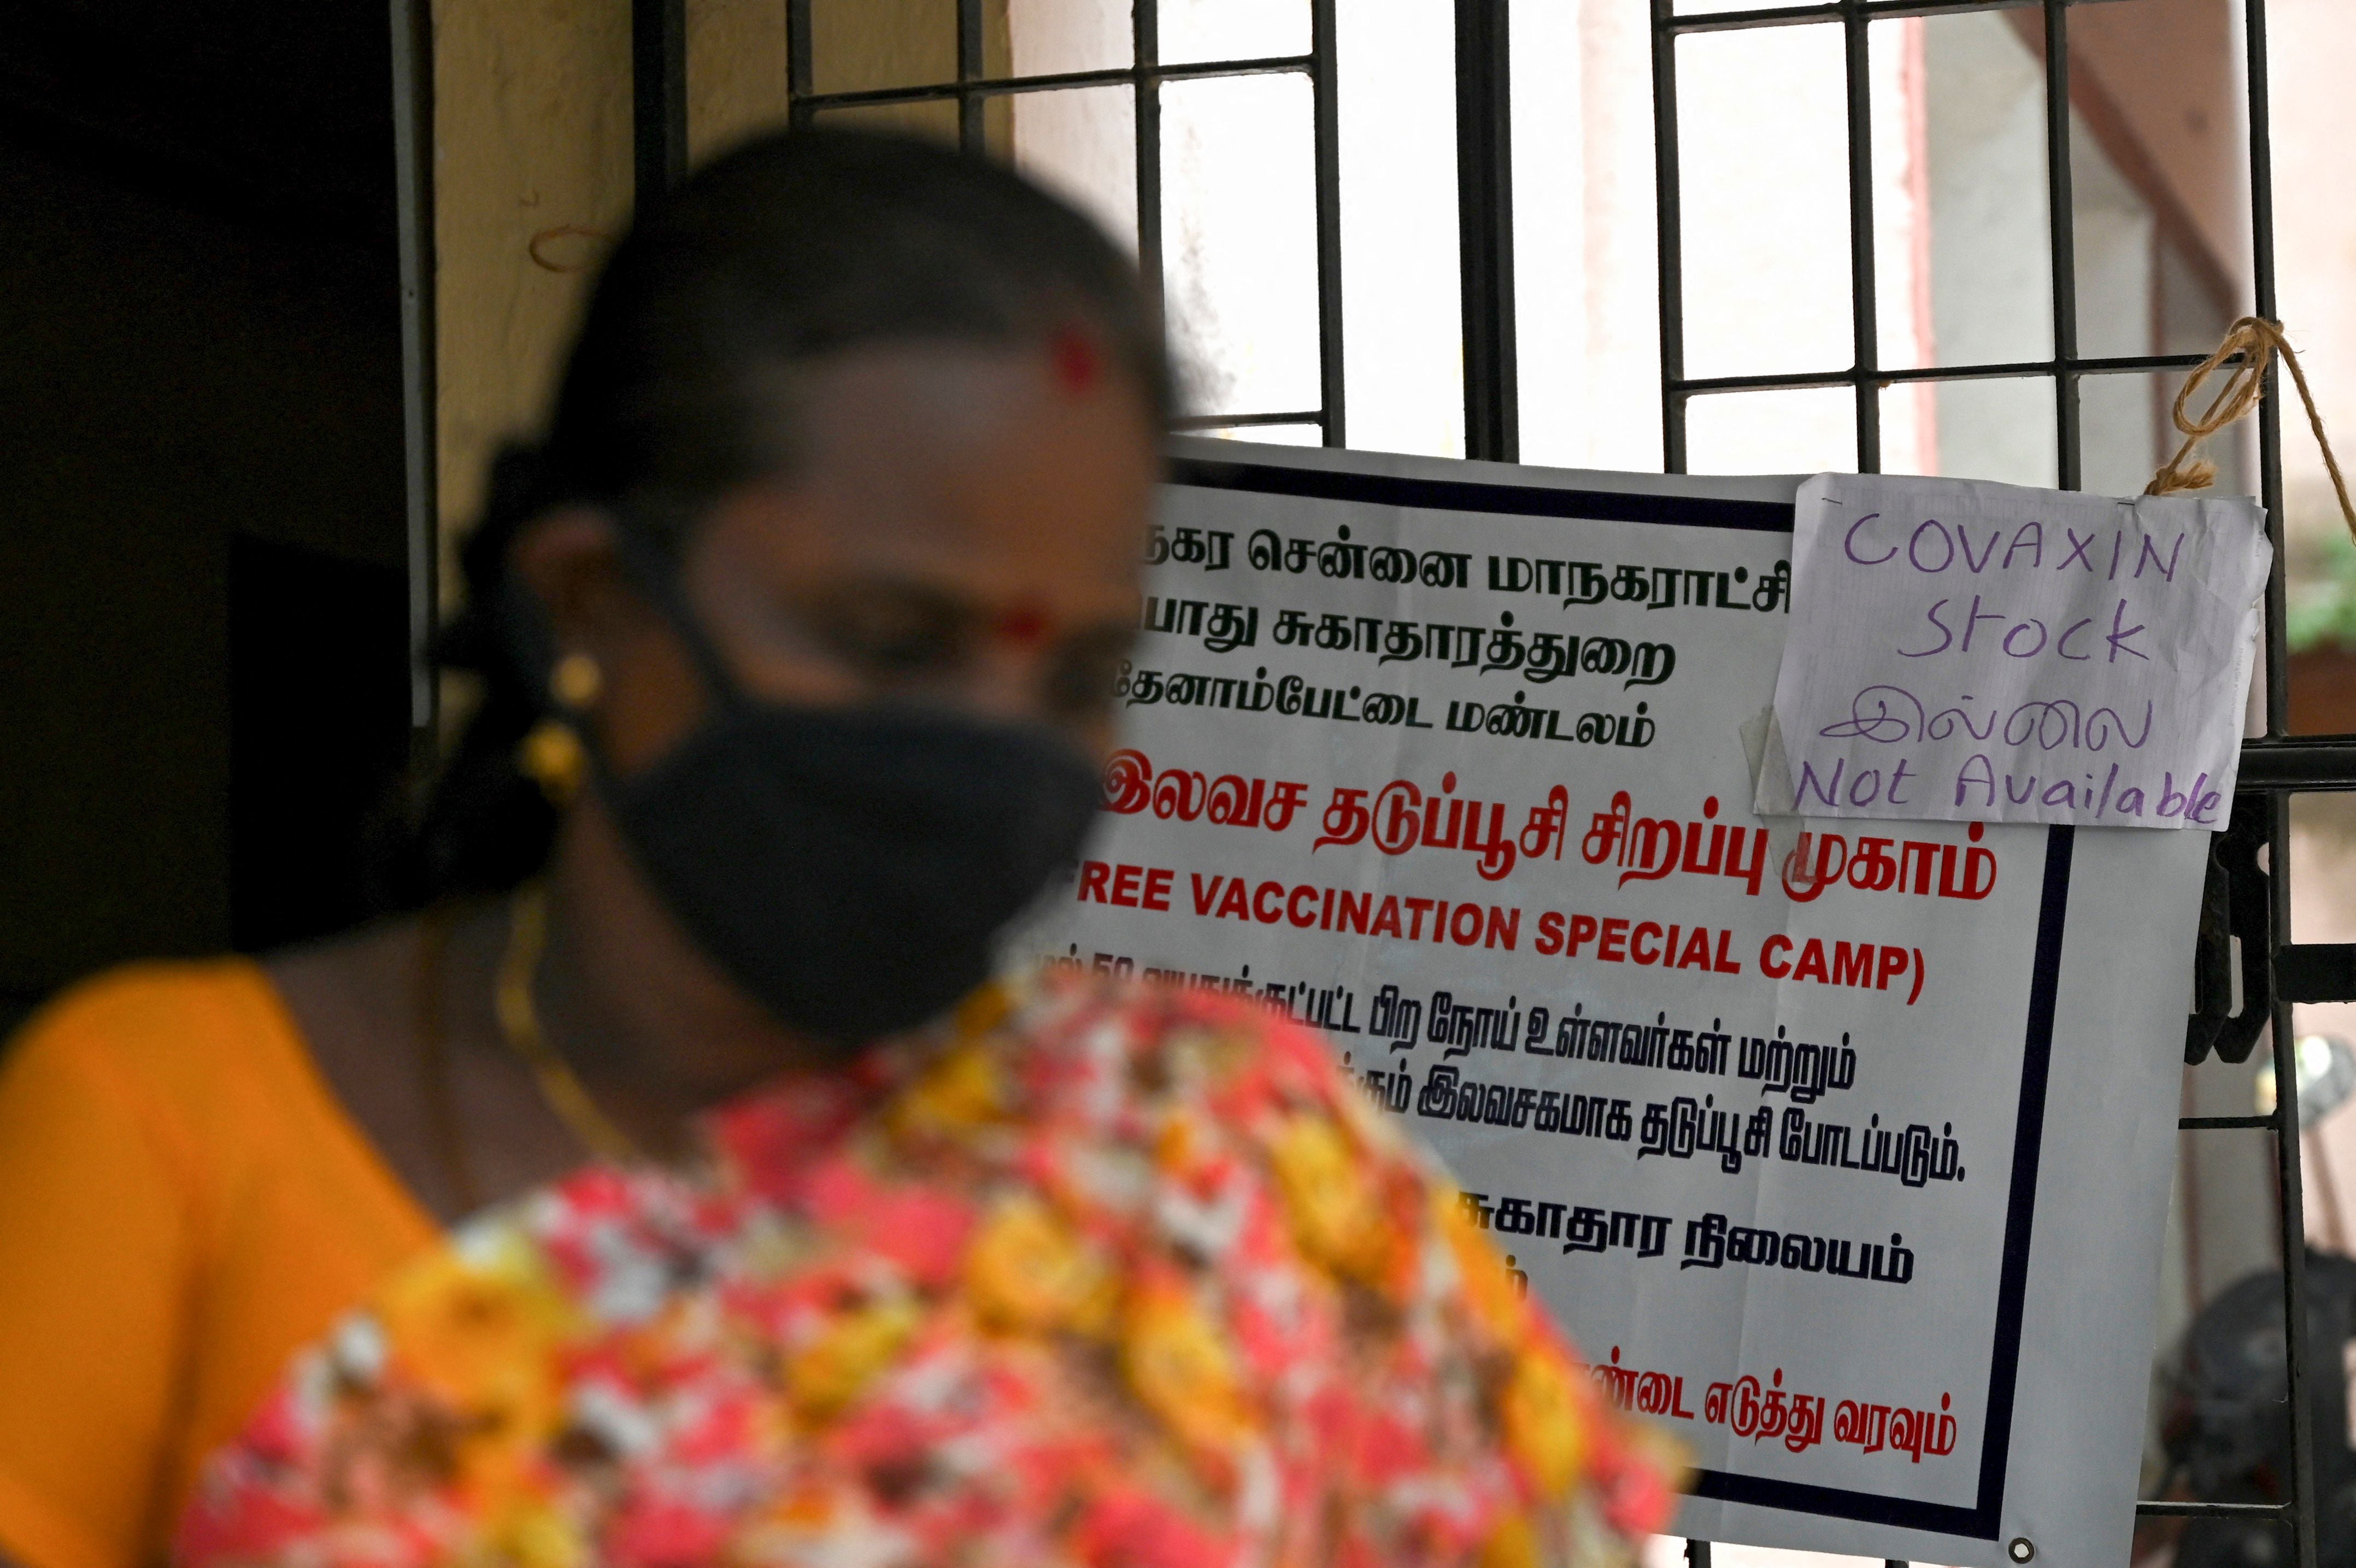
(518, 1014)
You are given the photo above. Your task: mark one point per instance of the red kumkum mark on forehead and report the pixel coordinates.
(1025, 626)
(1076, 362)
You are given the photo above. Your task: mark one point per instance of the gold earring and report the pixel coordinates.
(551, 757)
(577, 680)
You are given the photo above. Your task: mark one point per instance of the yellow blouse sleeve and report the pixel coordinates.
(183, 1203)
(96, 1250)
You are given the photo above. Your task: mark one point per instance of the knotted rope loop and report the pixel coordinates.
(2254, 341)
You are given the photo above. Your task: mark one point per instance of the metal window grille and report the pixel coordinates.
(2275, 767)
(1143, 77)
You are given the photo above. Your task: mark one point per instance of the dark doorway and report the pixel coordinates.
(200, 475)
(319, 720)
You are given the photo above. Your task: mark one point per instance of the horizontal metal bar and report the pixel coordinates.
(1799, 16)
(2315, 971)
(2172, 1508)
(2317, 765)
(1789, 381)
(1226, 421)
(1773, 16)
(1794, 15)
(1003, 86)
(2217, 1123)
(2130, 363)
(2022, 369)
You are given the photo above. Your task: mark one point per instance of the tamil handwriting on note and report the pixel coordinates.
(1962, 650)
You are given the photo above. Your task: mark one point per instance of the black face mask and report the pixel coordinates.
(851, 869)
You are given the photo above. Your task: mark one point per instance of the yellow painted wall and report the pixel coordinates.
(532, 173)
(532, 169)
(735, 71)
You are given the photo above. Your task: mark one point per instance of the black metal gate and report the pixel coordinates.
(2274, 767)
(2250, 899)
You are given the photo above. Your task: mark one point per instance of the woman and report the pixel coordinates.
(796, 640)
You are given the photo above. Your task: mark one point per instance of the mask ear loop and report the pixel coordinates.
(657, 575)
(524, 620)
(525, 624)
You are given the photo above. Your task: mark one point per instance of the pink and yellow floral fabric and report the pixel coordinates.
(1125, 1278)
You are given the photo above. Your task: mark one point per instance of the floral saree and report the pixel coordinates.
(1114, 1276)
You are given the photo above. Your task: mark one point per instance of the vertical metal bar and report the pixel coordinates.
(1864, 297)
(413, 157)
(1669, 229)
(2292, 1211)
(2288, 1173)
(1145, 25)
(798, 75)
(2287, 1150)
(2270, 430)
(1484, 226)
(1696, 1554)
(1323, 80)
(658, 94)
(2062, 224)
(971, 135)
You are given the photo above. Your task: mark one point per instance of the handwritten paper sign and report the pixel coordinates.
(1962, 650)
(1855, 1184)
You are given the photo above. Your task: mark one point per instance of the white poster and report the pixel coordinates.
(1842, 1147)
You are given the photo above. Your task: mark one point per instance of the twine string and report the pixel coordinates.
(2255, 342)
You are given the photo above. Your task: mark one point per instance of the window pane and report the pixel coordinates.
(932, 117)
(2159, 177)
(1233, 29)
(2308, 48)
(1764, 162)
(2323, 910)
(2230, 1226)
(1403, 314)
(1587, 289)
(1240, 237)
(1807, 432)
(1051, 36)
(2127, 433)
(856, 44)
(1081, 143)
(2121, 420)
(2319, 590)
(2323, 893)
(2000, 428)
(1962, 261)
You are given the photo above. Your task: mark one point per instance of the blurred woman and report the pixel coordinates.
(796, 638)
